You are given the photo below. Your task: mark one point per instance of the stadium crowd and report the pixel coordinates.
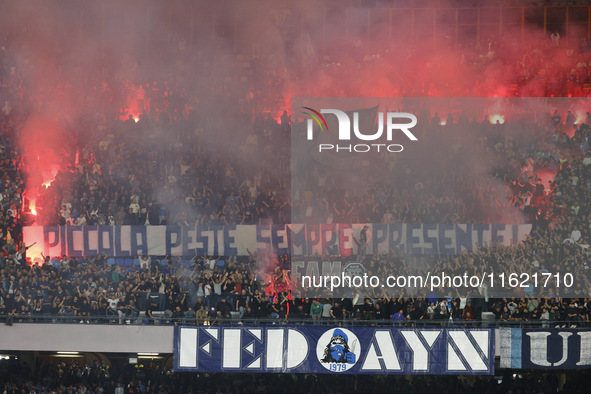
(143, 153)
(149, 158)
(182, 290)
(208, 291)
(177, 179)
(95, 377)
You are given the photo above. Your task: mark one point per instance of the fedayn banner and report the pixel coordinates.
(338, 350)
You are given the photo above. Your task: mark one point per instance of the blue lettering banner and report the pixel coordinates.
(288, 239)
(545, 348)
(353, 350)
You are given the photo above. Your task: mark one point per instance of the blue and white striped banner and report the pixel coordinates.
(556, 348)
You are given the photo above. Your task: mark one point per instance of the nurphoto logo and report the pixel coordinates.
(392, 124)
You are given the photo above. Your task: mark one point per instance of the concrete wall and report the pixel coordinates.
(86, 338)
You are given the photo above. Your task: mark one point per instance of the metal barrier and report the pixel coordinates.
(163, 318)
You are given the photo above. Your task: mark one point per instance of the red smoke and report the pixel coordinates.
(43, 143)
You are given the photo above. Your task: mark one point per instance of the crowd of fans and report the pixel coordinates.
(148, 151)
(169, 168)
(95, 377)
(211, 291)
(148, 156)
(123, 176)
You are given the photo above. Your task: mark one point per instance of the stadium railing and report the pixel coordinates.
(163, 319)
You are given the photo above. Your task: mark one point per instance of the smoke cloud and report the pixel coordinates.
(73, 73)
